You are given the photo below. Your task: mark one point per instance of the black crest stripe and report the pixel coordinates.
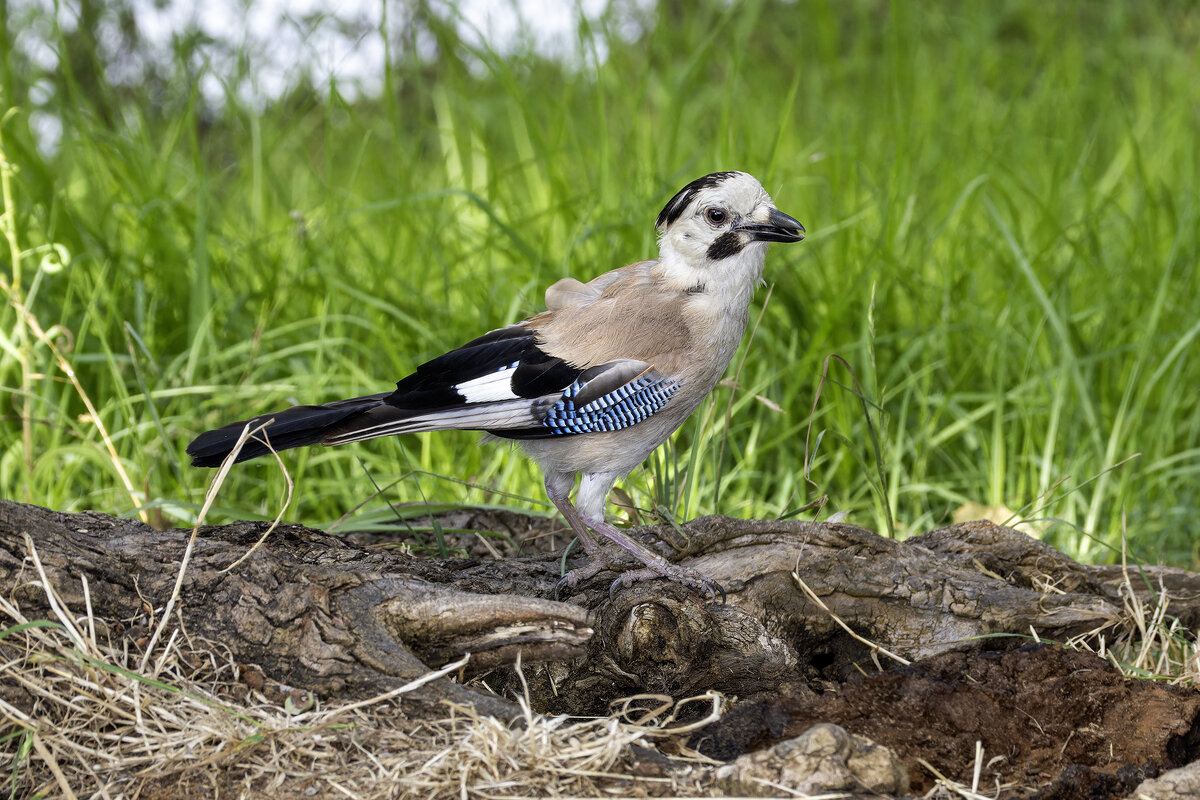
(679, 203)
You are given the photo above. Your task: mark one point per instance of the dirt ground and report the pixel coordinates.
(1065, 721)
(1054, 724)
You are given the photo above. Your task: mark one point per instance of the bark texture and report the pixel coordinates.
(351, 618)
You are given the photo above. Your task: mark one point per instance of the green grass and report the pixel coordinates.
(1002, 210)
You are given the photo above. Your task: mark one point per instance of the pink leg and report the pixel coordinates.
(557, 488)
(656, 565)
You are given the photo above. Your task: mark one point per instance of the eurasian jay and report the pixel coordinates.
(591, 385)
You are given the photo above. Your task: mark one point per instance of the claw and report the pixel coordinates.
(687, 577)
(597, 564)
(713, 588)
(557, 488)
(659, 568)
(698, 582)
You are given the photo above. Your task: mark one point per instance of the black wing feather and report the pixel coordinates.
(433, 385)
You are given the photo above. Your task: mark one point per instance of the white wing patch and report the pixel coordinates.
(489, 388)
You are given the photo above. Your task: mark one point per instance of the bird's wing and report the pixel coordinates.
(504, 383)
(629, 315)
(606, 397)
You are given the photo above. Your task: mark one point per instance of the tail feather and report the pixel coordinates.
(355, 420)
(293, 427)
(388, 420)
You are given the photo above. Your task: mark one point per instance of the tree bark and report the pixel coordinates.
(344, 619)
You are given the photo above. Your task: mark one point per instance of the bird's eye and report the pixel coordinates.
(716, 216)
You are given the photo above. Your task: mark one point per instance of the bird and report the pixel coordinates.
(590, 386)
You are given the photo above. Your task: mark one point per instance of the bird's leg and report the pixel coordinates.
(558, 489)
(588, 512)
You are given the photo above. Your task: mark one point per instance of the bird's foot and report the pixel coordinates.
(595, 565)
(696, 581)
(660, 568)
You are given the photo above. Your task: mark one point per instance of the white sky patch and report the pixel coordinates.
(341, 40)
(285, 41)
(548, 28)
(258, 49)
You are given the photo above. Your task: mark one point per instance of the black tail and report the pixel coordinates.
(293, 427)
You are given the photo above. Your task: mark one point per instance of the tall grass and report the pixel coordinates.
(1002, 207)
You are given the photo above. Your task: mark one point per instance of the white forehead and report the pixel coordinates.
(741, 190)
(738, 192)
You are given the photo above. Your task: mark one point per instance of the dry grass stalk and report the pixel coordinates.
(209, 496)
(1148, 641)
(875, 648)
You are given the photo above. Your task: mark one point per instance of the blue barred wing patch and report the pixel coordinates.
(626, 405)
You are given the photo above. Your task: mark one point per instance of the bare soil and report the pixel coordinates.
(1065, 721)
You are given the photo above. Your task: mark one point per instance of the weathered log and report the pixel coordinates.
(309, 610)
(317, 612)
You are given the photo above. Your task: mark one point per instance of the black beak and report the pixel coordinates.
(779, 228)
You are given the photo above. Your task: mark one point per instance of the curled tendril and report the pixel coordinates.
(62, 337)
(53, 257)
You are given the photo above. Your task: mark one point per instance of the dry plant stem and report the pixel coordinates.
(449, 669)
(622, 709)
(52, 763)
(93, 415)
(978, 771)
(286, 501)
(52, 598)
(952, 785)
(209, 497)
(842, 623)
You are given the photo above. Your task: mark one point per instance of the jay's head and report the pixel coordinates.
(723, 222)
